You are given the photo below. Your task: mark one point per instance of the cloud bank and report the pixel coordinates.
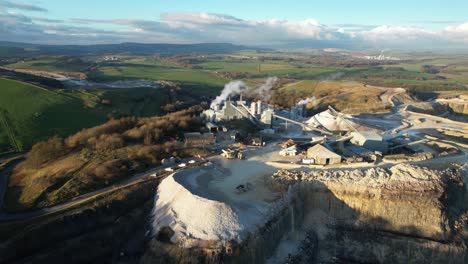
(199, 27)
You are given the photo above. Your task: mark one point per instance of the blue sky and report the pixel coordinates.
(434, 14)
(331, 22)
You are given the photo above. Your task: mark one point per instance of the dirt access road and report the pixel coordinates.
(136, 179)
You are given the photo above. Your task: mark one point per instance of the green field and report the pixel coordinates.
(206, 75)
(200, 78)
(156, 72)
(276, 68)
(30, 113)
(251, 66)
(52, 64)
(34, 113)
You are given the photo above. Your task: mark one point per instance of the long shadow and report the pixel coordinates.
(364, 234)
(110, 230)
(355, 227)
(349, 234)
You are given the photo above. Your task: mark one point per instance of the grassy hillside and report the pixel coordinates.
(57, 170)
(346, 96)
(29, 113)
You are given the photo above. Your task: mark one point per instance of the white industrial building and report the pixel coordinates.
(369, 140)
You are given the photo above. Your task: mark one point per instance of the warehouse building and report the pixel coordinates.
(369, 140)
(322, 155)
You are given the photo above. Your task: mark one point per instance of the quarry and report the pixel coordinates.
(216, 132)
(328, 188)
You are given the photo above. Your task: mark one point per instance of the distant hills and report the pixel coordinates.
(16, 48)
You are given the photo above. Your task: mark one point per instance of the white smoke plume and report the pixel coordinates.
(310, 100)
(236, 87)
(231, 88)
(264, 90)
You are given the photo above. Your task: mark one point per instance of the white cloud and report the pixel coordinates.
(198, 27)
(457, 33)
(21, 6)
(397, 32)
(463, 28)
(192, 18)
(223, 28)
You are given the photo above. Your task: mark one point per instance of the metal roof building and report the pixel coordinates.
(370, 140)
(322, 155)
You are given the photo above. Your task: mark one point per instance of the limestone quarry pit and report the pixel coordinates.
(383, 214)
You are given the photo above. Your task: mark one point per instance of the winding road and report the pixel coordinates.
(82, 199)
(4, 176)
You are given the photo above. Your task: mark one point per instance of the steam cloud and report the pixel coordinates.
(265, 89)
(309, 100)
(236, 87)
(231, 88)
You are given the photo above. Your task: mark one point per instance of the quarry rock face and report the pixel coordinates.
(398, 214)
(382, 215)
(457, 106)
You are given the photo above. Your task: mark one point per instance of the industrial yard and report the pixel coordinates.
(236, 195)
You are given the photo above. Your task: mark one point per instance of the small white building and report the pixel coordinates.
(290, 151)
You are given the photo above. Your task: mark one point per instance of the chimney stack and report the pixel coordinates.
(259, 107)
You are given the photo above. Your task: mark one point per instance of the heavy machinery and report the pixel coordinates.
(232, 154)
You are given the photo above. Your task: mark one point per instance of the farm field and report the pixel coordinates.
(30, 113)
(201, 77)
(34, 114)
(52, 64)
(204, 80)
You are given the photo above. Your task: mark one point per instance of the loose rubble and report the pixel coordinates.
(401, 177)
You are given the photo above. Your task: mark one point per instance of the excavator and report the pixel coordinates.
(232, 154)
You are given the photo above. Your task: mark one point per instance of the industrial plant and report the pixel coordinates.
(326, 138)
(266, 182)
(272, 163)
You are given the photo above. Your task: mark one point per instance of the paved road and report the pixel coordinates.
(136, 179)
(4, 176)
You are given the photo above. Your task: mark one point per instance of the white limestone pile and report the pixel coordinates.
(181, 207)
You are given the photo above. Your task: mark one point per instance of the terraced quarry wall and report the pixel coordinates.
(374, 215)
(398, 215)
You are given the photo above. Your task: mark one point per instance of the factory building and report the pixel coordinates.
(230, 112)
(238, 110)
(259, 115)
(211, 115)
(369, 140)
(323, 156)
(267, 117)
(253, 108)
